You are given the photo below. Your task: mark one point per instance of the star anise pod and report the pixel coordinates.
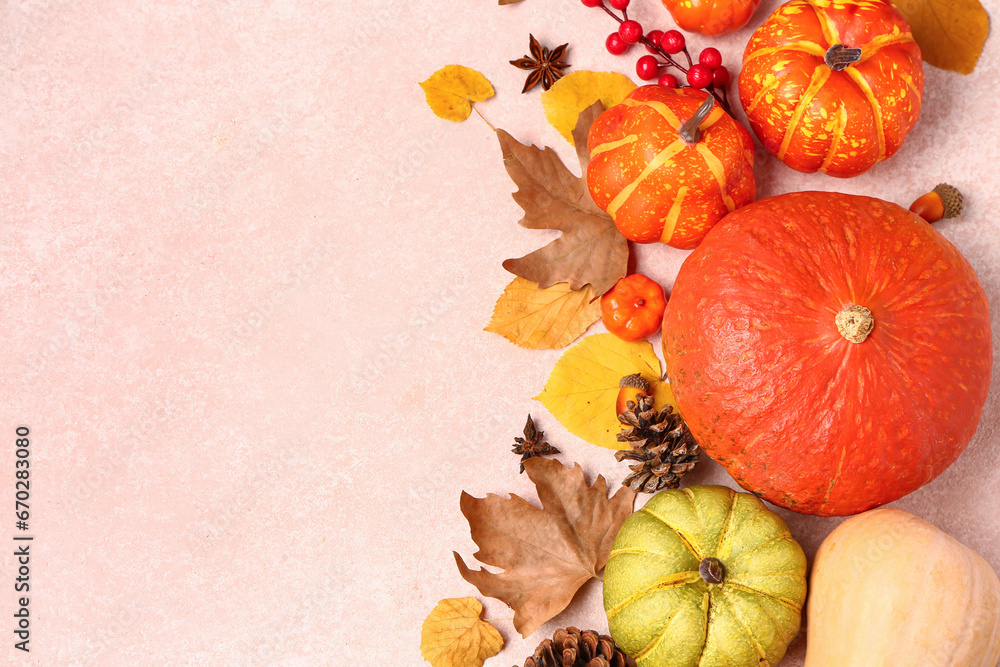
(546, 66)
(532, 444)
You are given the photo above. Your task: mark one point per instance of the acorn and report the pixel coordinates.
(944, 201)
(630, 388)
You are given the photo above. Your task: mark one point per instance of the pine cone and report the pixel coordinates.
(570, 647)
(661, 444)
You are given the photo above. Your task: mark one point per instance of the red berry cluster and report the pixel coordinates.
(708, 73)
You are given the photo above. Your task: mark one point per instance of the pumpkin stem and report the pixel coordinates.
(838, 57)
(855, 323)
(689, 131)
(712, 570)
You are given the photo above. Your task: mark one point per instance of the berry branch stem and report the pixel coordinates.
(718, 92)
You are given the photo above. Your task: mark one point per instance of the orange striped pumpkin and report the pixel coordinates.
(656, 186)
(815, 114)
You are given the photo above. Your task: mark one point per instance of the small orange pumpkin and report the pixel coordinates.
(832, 86)
(711, 17)
(662, 181)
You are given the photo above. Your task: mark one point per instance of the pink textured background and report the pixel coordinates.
(245, 272)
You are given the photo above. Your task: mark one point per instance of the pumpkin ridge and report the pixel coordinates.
(882, 41)
(803, 46)
(708, 626)
(611, 145)
(786, 535)
(821, 74)
(866, 89)
(729, 522)
(661, 159)
(838, 135)
(659, 107)
(676, 580)
(670, 221)
(640, 552)
(830, 31)
(656, 640)
(836, 478)
(764, 90)
(758, 649)
(775, 623)
(681, 535)
(718, 172)
(714, 117)
(753, 591)
(908, 80)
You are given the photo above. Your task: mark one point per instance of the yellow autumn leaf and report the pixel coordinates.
(583, 387)
(455, 635)
(950, 33)
(576, 91)
(452, 89)
(543, 318)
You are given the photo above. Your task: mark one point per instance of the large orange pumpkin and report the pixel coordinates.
(832, 351)
(817, 114)
(654, 184)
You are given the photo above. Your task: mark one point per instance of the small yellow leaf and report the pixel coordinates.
(576, 91)
(454, 635)
(543, 318)
(583, 387)
(950, 33)
(451, 90)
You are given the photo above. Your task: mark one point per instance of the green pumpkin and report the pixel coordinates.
(704, 576)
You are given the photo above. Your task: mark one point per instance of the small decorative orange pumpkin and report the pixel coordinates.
(832, 86)
(711, 17)
(667, 164)
(832, 351)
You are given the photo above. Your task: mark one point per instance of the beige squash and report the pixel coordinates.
(889, 589)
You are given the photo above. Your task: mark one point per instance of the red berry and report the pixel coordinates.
(630, 31)
(699, 76)
(647, 67)
(653, 37)
(672, 41)
(720, 77)
(618, 4)
(710, 58)
(668, 81)
(593, 3)
(615, 44)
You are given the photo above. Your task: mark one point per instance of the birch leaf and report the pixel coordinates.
(950, 33)
(452, 89)
(455, 635)
(548, 318)
(582, 390)
(576, 91)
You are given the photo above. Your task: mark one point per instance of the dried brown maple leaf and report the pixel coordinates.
(548, 553)
(590, 250)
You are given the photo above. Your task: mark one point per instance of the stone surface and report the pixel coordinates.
(245, 273)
